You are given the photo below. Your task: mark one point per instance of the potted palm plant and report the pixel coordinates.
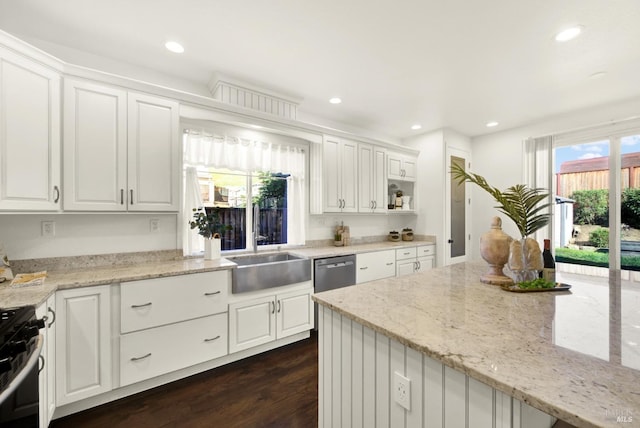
(523, 205)
(211, 228)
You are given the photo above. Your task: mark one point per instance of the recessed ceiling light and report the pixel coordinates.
(568, 34)
(335, 100)
(416, 126)
(492, 124)
(174, 47)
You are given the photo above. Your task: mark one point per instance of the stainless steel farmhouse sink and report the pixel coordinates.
(260, 271)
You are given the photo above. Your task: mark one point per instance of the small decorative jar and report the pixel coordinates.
(394, 236)
(407, 235)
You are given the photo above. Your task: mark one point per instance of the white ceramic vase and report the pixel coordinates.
(406, 203)
(212, 249)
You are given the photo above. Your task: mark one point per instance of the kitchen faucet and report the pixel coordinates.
(256, 226)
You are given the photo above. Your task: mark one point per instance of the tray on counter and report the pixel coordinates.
(514, 288)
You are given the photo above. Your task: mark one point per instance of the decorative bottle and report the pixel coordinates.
(549, 269)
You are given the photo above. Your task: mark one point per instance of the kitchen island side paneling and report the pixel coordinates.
(356, 389)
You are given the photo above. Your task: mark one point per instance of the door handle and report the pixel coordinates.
(56, 189)
(131, 191)
(121, 196)
(450, 241)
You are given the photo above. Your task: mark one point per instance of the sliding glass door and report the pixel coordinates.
(597, 211)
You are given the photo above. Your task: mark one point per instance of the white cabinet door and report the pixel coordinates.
(339, 172)
(401, 167)
(425, 263)
(154, 170)
(95, 147)
(372, 181)
(83, 343)
(252, 323)
(294, 313)
(29, 135)
(349, 174)
(406, 267)
(375, 265)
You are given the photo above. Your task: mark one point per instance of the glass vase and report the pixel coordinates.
(525, 259)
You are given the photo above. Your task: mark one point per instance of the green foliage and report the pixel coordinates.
(520, 203)
(630, 209)
(600, 237)
(273, 190)
(591, 207)
(208, 223)
(592, 258)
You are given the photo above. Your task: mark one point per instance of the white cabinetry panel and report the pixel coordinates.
(95, 147)
(339, 172)
(372, 180)
(29, 134)
(294, 313)
(148, 353)
(121, 151)
(154, 158)
(83, 346)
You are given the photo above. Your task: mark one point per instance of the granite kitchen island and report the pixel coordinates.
(476, 355)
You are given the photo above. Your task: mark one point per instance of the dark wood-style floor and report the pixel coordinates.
(276, 389)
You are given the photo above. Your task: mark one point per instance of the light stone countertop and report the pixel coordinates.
(333, 251)
(85, 277)
(573, 354)
(85, 271)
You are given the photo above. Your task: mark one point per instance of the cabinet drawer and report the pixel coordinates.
(156, 351)
(426, 250)
(154, 302)
(376, 265)
(406, 253)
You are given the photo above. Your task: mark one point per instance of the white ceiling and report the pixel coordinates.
(440, 63)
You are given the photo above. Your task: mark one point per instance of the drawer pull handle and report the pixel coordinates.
(364, 267)
(141, 358)
(213, 293)
(212, 339)
(389, 264)
(141, 306)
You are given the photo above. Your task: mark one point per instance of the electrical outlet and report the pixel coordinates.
(48, 228)
(154, 225)
(402, 390)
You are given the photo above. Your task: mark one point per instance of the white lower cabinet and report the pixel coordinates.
(46, 377)
(148, 353)
(415, 259)
(265, 319)
(168, 324)
(375, 265)
(83, 343)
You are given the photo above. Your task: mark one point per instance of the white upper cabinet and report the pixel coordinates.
(340, 172)
(372, 184)
(29, 134)
(154, 154)
(95, 147)
(121, 150)
(401, 167)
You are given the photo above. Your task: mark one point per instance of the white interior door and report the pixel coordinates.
(457, 208)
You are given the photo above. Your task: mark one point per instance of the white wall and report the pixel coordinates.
(431, 182)
(85, 234)
(499, 156)
(322, 226)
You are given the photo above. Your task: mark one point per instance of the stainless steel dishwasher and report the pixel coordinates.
(333, 272)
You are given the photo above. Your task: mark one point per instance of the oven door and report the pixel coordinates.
(19, 402)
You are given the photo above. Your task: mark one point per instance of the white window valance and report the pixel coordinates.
(202, 148)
